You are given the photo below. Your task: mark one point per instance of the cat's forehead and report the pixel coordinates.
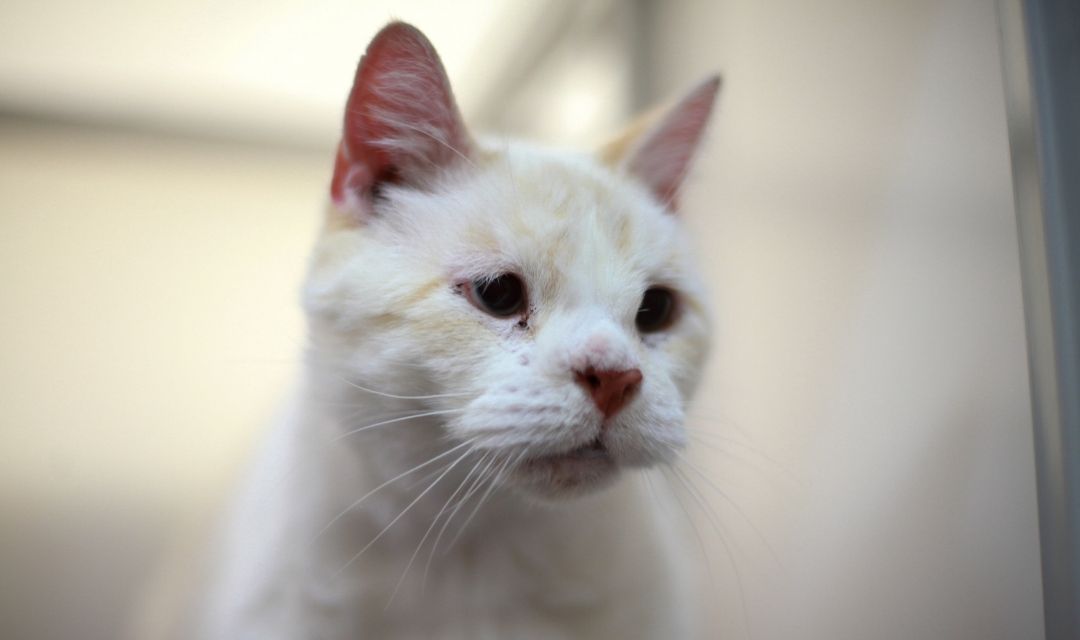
(569, 210)
(566, 181)
(573, 229)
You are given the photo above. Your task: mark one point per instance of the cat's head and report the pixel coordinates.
(545, 301)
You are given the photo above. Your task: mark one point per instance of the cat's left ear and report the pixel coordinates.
(658, 149)
(402, 125)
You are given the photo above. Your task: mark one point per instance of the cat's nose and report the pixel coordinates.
(610, 390)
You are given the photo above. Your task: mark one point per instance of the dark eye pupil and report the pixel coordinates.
(502, 296)
(654, 314)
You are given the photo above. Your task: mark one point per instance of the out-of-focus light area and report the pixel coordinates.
(278, 71)
(162, 170)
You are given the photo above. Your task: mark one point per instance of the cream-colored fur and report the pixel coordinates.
(333, 537)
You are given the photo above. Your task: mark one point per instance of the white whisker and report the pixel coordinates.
(399, 476)
(401, 397)
(706, 507)
(423, 539)
(497, 475)
(476, 484)
(722, 538)
(701, 474)
(702, 436)
(359, 553)
(424, 414)
(693, 527)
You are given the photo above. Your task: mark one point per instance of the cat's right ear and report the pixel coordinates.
(658, 148)
(402, 125)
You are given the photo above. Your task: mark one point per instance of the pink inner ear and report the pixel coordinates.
(662, 159)
(401, 121)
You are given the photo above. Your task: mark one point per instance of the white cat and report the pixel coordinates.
(500, 338)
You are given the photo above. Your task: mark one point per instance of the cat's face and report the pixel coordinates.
(546, 300)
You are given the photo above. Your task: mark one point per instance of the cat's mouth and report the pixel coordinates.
(595, 451)
(573, 471)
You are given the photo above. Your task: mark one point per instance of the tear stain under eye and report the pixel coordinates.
(523, 322)
(461, 289)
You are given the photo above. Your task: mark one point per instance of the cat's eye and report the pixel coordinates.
(501, 296)
(657, 310)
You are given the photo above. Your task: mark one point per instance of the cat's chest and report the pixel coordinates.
(487, 588)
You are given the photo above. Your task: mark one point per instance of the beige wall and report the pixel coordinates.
(855, 212)
(149, 328)
(853, 209)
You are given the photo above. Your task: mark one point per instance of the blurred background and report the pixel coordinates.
(162, 169)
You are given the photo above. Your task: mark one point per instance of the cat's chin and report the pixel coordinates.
(565, 475)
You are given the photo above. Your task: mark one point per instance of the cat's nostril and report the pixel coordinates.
(610, 390)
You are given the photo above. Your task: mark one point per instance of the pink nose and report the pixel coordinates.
(610, 390)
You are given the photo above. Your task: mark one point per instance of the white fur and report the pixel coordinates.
(445, 472)
(608, 564)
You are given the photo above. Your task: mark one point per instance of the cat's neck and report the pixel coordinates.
(384, 462)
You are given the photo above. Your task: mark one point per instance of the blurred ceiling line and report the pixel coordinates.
(242, 71)
(560, 22)
(138, 125)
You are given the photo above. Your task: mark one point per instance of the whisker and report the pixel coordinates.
(723, 494)
(693, 527)
(381, 423)
(400, 397)
(718, 447)
(703, 434)
(706, 507)
(315, 354)
(359, 553)
(324, 444)
(424, 479)
(427, 533)
(476, 484)
(310, 351)
(364, 409)
(385, 484)
(723, 543)
(491, 486)
(771, 478)
(747, 438)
